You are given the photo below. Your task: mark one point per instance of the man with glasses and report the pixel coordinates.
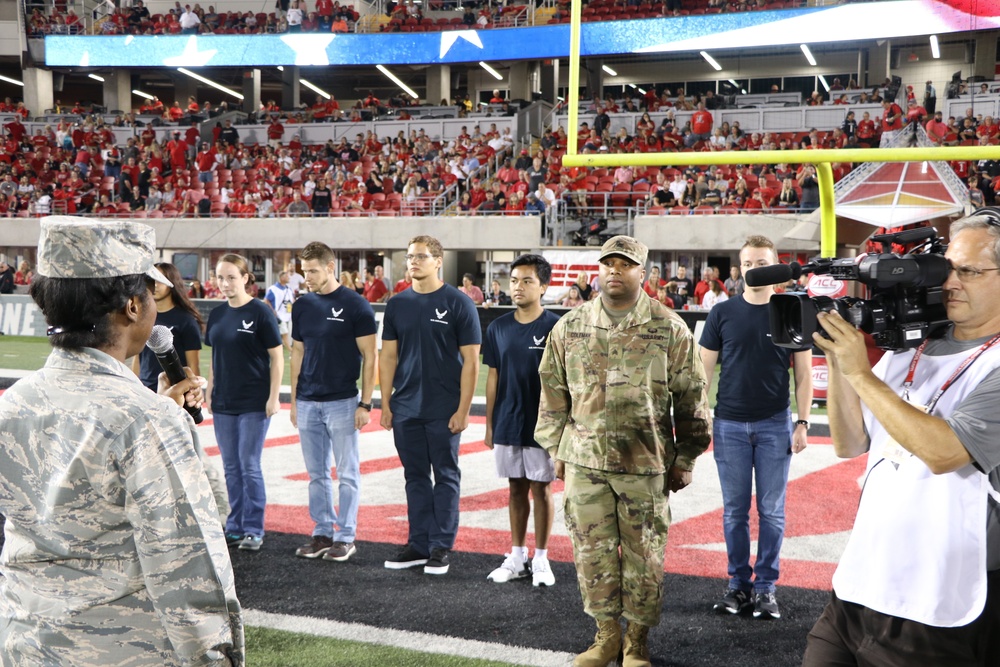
(429, 366)
(919, 581)
(610, 374)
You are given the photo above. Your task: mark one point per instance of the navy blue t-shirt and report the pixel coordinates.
(328, 326)
(241, 367)
(753, 382)
(515, 350)
(187, 336)
(429, 329)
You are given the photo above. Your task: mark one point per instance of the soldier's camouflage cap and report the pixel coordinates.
(626, 247)
(71, 247)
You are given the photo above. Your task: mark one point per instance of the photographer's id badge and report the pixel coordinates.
(894, 452)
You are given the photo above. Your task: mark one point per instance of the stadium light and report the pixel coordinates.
(143, 95)
(209, 82)
(823, 82)
(711, 61)
(808, 54)
(96, 78)
(315, 88)
(609, 70)
(496, 75)
(935, 48)
(13, 81)
(395, 79)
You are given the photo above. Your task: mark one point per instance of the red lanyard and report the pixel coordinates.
(908, 382)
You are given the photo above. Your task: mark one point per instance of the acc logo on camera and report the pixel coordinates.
(825, 285)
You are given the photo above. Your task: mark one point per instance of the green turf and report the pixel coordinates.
(277, 648)
(29, 353)
(23, 352)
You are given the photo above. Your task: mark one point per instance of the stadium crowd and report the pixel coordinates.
(76, 166)
(331, 16)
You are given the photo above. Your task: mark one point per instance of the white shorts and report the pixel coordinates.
(284, 328)
(531, 463)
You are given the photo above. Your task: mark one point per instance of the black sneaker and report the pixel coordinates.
(233, 539)
(437, 563)
(733, 602)
(765, 606)
(405, 559)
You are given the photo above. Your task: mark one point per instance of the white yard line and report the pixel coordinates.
(415, 641)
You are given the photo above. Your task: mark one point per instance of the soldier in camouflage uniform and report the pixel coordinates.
(115, 552)
(610, 374)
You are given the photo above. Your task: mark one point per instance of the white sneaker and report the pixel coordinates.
(512, 568)
(541, 573)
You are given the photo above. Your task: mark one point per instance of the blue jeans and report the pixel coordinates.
(328, 436)
(425, 446)
(241, 441)
(761, 452)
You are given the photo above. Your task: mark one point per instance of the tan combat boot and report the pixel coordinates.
(636, 646)
(607, 644)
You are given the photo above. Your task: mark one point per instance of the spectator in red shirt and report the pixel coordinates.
(892, 121)
(16, 129)
(205, 161)
(175, 112)
(936, 128)
(914, 112)
(404, 283)
(275, 131)
(375, 289)
(701, 126)
(866, 129)
(988, 129)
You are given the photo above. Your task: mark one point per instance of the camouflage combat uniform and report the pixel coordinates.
(114, 553)
(607, 393)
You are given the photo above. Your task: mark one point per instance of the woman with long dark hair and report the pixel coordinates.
(175, 311)
(246, 370)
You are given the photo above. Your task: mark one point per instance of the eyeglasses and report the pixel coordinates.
(419, 258)
(969, 273)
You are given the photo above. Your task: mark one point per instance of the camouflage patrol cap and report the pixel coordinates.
(626, 247)
(71, 247)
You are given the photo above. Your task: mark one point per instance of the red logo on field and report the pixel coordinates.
(826, 286)
(821, 377)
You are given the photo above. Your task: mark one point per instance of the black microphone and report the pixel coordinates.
(773, 275)
(161, 342)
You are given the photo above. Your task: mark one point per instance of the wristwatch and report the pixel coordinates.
(366, 406)
(802, 422)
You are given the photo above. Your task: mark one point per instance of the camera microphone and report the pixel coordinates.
(773, 275)
(161, 342)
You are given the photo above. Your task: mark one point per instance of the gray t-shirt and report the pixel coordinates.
(976, 422)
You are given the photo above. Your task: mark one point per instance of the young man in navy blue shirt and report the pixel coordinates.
(753, 434)
(333, 332)
(428, 368)
(512, 350)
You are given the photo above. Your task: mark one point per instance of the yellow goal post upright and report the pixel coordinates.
(821, 158)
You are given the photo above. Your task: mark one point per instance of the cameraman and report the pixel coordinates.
(919, 581)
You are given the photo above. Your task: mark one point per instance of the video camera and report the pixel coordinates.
(591, 233)
(905, 304)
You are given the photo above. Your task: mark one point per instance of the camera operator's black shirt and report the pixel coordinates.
(753, 383)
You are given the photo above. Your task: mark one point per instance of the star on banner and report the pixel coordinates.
(309, 49)
(191, 56)
(449, 38)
